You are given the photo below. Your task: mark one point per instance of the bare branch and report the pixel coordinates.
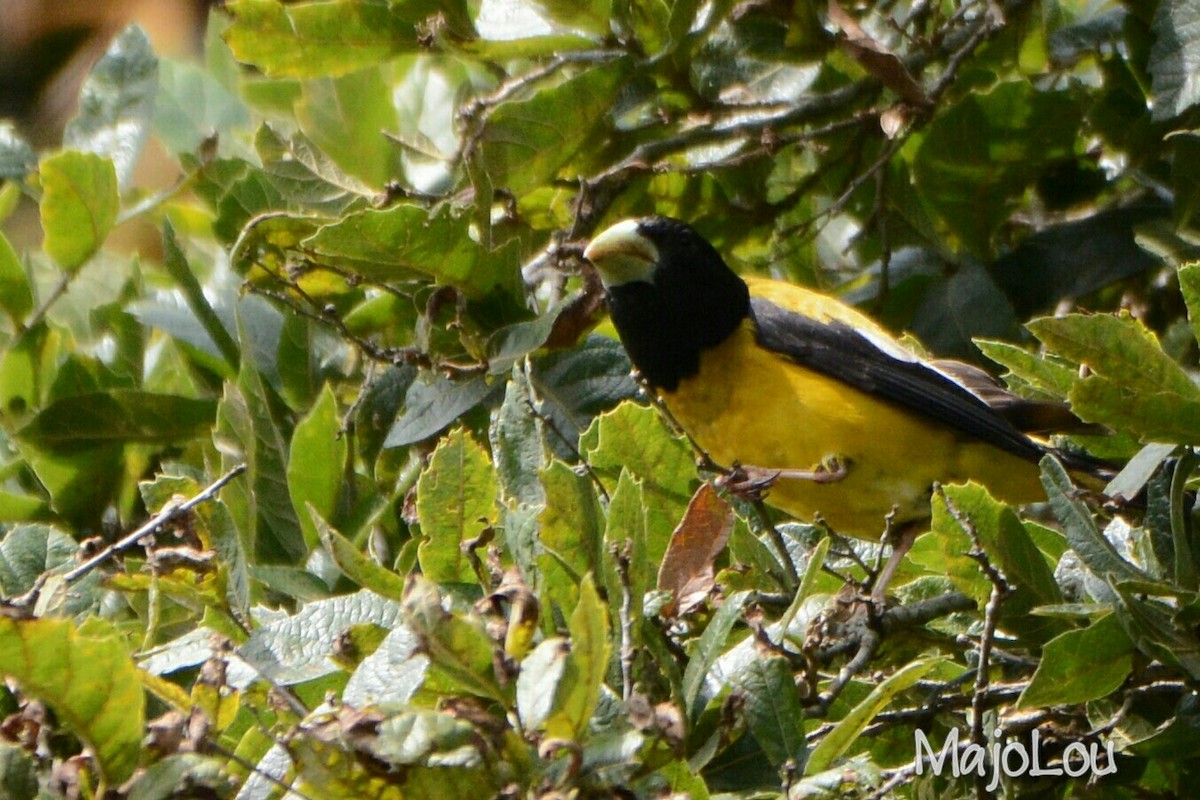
(169, 512)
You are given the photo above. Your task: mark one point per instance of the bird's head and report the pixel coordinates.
(670, 293)
(657, 250)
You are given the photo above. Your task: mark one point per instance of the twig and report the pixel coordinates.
(549, 422)
(169, 512)
(1000, 590)
(900, 618)
(622, 554)
(984, 28)
(58, 291)
(867, 645)
(385, 355)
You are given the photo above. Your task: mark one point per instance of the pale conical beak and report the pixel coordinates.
(621, 254)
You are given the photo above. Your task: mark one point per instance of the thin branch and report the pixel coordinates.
(590, 471)
(991, 612)
(57, 292)
(867, 645)
(622, 555)
(169, 512)
(900, 618)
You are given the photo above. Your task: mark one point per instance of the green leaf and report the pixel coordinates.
(519, 447)
(295, 648)
(306, 176)
(405, 242)
(181, 271)
(1096, 552)
(634, 438)
(81, 482)
(18, 773)
(356, 566)
(89, 681)
(589, 16)
(847, 731)
(433, 402)
(161, 781)
(958, 308)
(231, 555)
(1189, 285)
(1050, 378)
(116, 104)
(424, 736)
(326, 769)
(79, 205)
(249, 430)
(316, 466)
(317, 39)
(1138, 471)
(523, 144)
(1009, 546)
(1157, 632)
(1175, 58)
(458, 647)
(537, 683)
(577, 384)
(192, 106)
(984, 152)
(237, 191)
(1135, 386)
(456, 500)
(16, 507)
(345, 117)
(683, 781)
(518, 444)
(579, 690)
(1081, 665)
(119, 415)
(708, 649)
(290, 582)
(10, 197)
(626, 523)
(570, 534)
(773, 711)
(27, 551)
(16, 297)
(391, 675)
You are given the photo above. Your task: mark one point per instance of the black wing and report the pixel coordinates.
(839, 351)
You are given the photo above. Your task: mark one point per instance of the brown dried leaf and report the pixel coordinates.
(687, 568)
(875, 58)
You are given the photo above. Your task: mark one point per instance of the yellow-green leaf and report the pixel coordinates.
(1081, 665)
(316, 39)
(89, 681)
(15, 295)
(356, 566)
(79, 205)
(456, 500)
(844, 734)
(586, 664)
(316, 465)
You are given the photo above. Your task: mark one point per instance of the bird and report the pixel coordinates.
(802, 395)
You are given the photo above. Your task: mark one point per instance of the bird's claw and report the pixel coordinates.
(752, 483)
(748, 483)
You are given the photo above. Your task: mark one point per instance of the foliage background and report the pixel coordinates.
(448, 549)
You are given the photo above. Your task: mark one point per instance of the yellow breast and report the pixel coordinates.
(754, 407)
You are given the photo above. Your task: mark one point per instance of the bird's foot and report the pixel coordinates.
(752, 483)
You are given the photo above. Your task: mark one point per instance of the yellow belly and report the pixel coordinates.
(753, 407)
